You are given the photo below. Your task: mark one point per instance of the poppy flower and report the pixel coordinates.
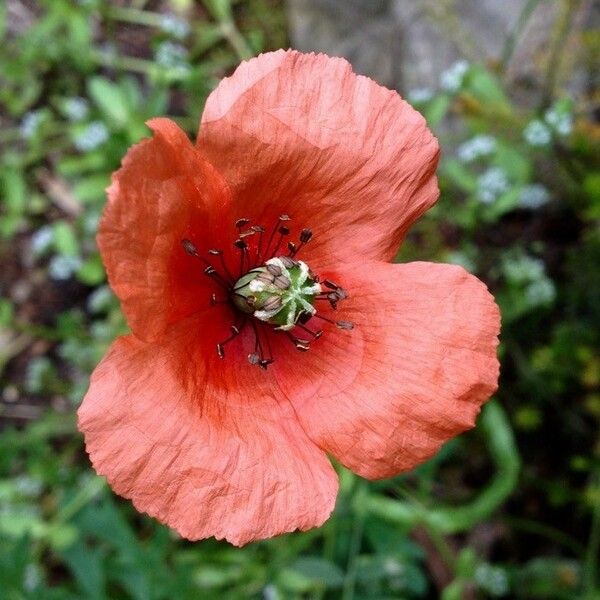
(268, 327)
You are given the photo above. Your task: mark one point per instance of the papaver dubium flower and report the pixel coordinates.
(269, 328)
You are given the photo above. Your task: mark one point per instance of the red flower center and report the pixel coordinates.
(272, 292)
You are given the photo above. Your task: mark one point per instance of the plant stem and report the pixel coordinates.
(355, 542)
(449, 519)
(592, 555)
(513, 38)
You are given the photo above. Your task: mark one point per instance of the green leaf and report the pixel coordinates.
(486, 88)
(316, 571)
(459, 175)
(91, 271)
(65, 241)
(14, 190)
(436, 109)
(91, 188)
(86, 564)
(111, 101)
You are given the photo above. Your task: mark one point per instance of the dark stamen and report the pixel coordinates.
(330, 284)
(339, 324)
(189, 247)
(316, 334)
(210, 271)
(272, 236)
(243, 247)
(241, 223)
(305, 235)
(260, 230)
(235, 331)
(219, 253)
(302, 345)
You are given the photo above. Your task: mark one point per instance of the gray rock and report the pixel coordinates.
(408, 44)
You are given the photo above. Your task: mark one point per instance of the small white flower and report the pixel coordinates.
(30, 123)
(28, 486)
(492, 184)
(540, 292)
(77, 108)
(476, 147)
(41, 240)
(99, 299)
(560, 121)
(31, 577)
(420, 95)
(533, 196)
(174, 26)
(169, 54)
(524, 269)
(62, 267)
(92, 136)
(90, 222)
(492, 579)
(536, 133)
(452, 79)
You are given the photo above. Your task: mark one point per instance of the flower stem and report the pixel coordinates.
(501, 443)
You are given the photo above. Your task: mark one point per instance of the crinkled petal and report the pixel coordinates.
(301, 134)
(411, 375)
(209, 454)
(164, 191)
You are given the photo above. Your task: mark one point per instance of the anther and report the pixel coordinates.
(330, 284)
(344, 325)
(273, 303)
(253, 358)
(305, 235)
(241, 244)
(215, 252)
(281, 282)
(220, 351)
(241, 223)
(287, 261)
(284, 230)
(189, 247)
(275, 270)
(213, 299)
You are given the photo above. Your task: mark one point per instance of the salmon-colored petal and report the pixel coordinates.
(412, 374)
(164, 191)
(209, 454)
(301, 134)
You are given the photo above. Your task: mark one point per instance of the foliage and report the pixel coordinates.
(520, 207)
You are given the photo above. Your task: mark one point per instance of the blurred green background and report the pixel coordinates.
(510, 510)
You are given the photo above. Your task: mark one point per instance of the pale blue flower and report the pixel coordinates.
(452, 79)
(560, 121)
(476, 147)
(77, 108)
(62, 267)
(492, 184)
(533, 196)
(30, 123)
(42, 239)
(92, 136)
(536, 133)
(174, 26)
(420, 95)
